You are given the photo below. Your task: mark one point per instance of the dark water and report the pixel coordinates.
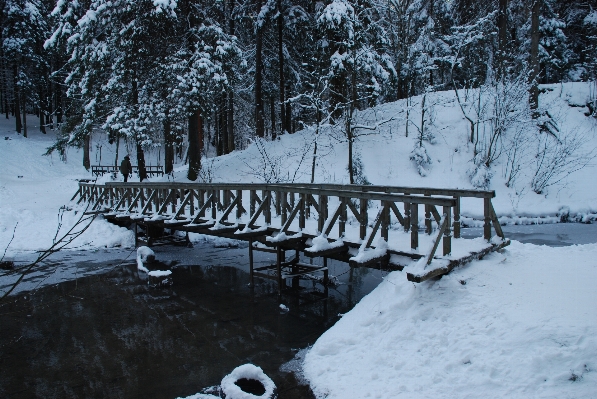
(114, 335)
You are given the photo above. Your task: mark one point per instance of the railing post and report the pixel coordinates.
(278, 203)
(414, 225)
(239, 204)
(267, 196)
(214, 203)
(307, 206)
(174, 193)
(385, 220)
(201, 202)
(457, 217)
(302, 211)
(364, 218)
(343, 217)
(322, 212)
(252, 196)
(428, 227)
(407, 215)
(284, 205)
(448, 231)
(192, 202)
(487, 218)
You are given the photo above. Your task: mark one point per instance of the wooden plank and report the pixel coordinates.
(375, 227)
(496, 223)
(296, 209)
(397, 213)
(257, 213)
(437, 240)
(229, 210)
(203, 208)
(455, 263)
(149, 201)
(184, 203)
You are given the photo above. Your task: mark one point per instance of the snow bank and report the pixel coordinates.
(521, 323)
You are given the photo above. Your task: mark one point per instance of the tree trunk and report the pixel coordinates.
(24, 116)
(259, 125)
(17, 104)
(314, 160)
(534, 57)
(42, 124)
(86, 146)
(168, 147)
(272, 112)
(283, 115)
(230, 113)
(117, 148)
(349, 132)
(230, 123)
(195, 145)
(224, 123)
(502, 37)
(288, 118)
(350, 151)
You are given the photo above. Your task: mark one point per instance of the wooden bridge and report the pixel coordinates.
(319, 220)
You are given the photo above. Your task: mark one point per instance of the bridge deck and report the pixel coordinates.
(373, 226)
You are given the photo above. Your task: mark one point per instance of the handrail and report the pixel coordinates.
(344, 187)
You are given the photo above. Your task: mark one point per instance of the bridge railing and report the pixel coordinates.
(99, 170)
(326, 206)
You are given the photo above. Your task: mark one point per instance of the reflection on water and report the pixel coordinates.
(115, 336)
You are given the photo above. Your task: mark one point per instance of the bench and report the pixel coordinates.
(99, 170)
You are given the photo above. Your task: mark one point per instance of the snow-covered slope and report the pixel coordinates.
(518, 324)
(385, 156)
(34, 187)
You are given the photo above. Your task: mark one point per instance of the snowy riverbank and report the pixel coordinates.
(518, 324)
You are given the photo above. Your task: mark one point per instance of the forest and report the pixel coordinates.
(186, 75)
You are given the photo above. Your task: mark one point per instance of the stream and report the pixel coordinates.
(86, 324)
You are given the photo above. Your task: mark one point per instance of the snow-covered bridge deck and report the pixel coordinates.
(373, 226)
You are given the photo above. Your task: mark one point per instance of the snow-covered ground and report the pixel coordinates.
(520, 323)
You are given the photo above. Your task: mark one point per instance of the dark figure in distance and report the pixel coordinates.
(126, 168)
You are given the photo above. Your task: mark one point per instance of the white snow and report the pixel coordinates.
(518, 324)
(321, 243)
(159, 273)
(250, 372)
(143, 255)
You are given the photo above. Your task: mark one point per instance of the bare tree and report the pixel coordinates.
(61, 240)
